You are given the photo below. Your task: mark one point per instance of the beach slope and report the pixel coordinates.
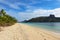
(21, 31)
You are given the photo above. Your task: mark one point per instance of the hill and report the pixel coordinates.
(50, 18)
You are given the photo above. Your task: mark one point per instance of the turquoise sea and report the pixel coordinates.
(52, 26)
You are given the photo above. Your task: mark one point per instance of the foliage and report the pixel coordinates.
(6, 20)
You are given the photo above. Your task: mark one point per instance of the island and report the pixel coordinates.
(50, 18)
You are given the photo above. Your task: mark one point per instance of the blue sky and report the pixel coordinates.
(27, 9)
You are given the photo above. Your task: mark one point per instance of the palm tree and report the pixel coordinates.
(5, 19)
(2, 12)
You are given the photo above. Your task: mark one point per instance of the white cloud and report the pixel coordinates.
(38, 12)
(25, 16)
(44, 12)
(12, 5)
(15, 5)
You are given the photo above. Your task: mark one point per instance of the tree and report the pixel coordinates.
(2, 12)
(6, 20)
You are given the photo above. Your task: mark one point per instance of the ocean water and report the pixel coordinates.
(52, 26)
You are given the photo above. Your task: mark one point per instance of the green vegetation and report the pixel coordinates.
(6, 20)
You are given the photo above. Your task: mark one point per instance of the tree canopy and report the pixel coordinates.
(5, 19)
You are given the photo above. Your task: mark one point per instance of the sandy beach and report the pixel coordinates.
(21, 31)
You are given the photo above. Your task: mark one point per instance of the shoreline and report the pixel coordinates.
(43, 31)
(54, 31)
(21, 31)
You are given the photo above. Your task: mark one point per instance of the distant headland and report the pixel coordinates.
(50, 18)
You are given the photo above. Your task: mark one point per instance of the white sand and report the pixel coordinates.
(26, 32)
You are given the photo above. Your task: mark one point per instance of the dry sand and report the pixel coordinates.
(26, 32)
